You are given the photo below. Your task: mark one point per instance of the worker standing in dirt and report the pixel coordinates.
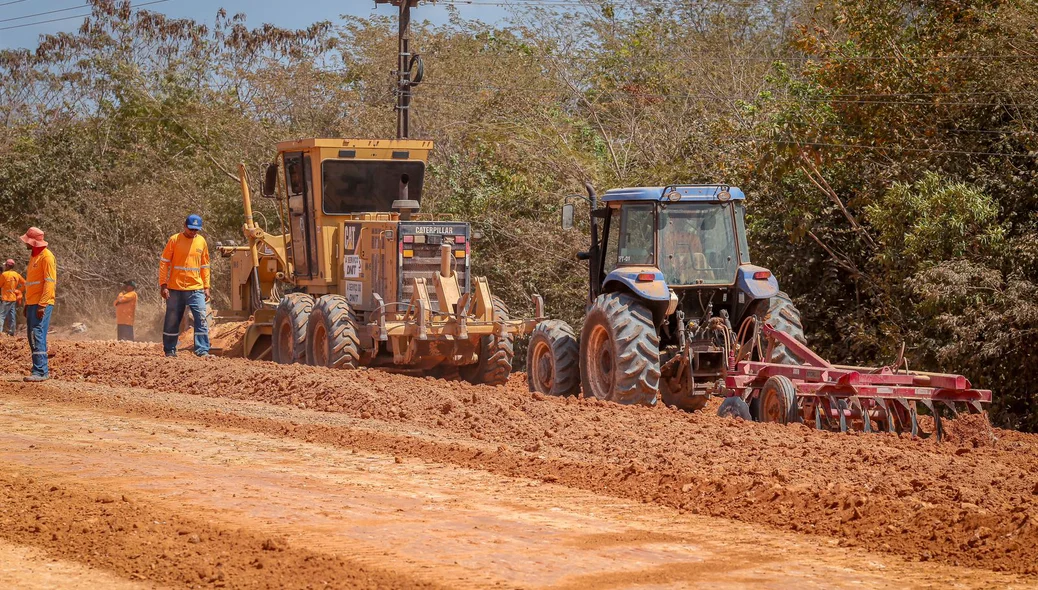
(125, 310)
(184, 284)
(41, 281)
(11, 285)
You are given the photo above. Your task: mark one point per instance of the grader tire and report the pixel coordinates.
(553, 359)
(331, 336)
(289, 334)
(620, 351)
(495, 355)
(784, 317)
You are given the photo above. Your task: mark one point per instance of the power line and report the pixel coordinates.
(6, 20)
(892, 148)
(14, 2)
(54, 20)
(686, 95)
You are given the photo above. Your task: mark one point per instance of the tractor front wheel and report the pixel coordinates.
(620, 351)
(495, 355)
(331, 339)
(552, 359)
(289, 333)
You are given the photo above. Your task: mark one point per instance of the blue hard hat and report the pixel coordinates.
(193, 222)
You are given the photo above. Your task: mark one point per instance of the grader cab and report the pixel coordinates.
(355, 276)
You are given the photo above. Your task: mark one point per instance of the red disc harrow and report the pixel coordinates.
(839, 397)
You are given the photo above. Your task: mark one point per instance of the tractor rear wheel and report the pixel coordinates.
(553, 359)
(495, 355)
(777, 401)
(784, 317)
(289, 333)
(331, 338)
(620, 351)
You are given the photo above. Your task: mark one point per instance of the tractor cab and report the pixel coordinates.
(679, 248)
(670, 271)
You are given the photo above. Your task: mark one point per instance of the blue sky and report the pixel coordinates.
(285, 14)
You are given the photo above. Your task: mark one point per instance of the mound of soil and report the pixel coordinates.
(966, 500)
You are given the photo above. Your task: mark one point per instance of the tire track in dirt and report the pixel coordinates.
(461, 528)
(25, 568)
(966, 501)
(90, 525)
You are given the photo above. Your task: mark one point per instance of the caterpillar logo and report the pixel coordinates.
(435, 229)
(350, 237)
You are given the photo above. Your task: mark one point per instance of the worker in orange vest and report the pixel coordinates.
(11, 284)
(41, 280)
(184, 284)
(125, 310)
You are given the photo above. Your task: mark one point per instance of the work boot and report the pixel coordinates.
(172, 354)
(34, 378)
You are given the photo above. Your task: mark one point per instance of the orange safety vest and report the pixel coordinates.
(184, 265)
(41, 279)
(10, 283)
(125, 308)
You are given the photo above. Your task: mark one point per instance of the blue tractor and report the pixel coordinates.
(673, 301)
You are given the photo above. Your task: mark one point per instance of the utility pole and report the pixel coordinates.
(409, 68)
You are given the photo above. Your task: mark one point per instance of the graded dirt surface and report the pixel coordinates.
(226, 473)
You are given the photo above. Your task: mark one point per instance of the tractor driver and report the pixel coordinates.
(682, 259)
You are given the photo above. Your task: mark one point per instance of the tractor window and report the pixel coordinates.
(697, 244)
(635, 241)
(359, 186)
(740, 231)
(611, 237)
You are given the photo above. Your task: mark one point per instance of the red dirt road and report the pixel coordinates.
(131, 468)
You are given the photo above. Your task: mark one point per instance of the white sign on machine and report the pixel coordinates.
(354, 292)
(351, 266)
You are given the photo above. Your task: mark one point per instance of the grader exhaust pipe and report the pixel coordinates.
(446, 261)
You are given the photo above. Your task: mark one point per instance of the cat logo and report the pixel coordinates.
(351, 237)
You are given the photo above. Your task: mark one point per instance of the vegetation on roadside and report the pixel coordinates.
(888, 148)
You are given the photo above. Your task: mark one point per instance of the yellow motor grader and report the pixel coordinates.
(356, 276)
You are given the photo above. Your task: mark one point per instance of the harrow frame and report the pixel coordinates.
(835, 396)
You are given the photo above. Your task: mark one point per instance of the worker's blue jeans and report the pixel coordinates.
(178, 302)
(37, 330)
(9, 313)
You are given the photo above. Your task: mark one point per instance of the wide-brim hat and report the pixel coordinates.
(34, 237)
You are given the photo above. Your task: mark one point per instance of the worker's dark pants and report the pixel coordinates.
(37, 330)
(178, 302)
(9, 313)
(124, 332)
